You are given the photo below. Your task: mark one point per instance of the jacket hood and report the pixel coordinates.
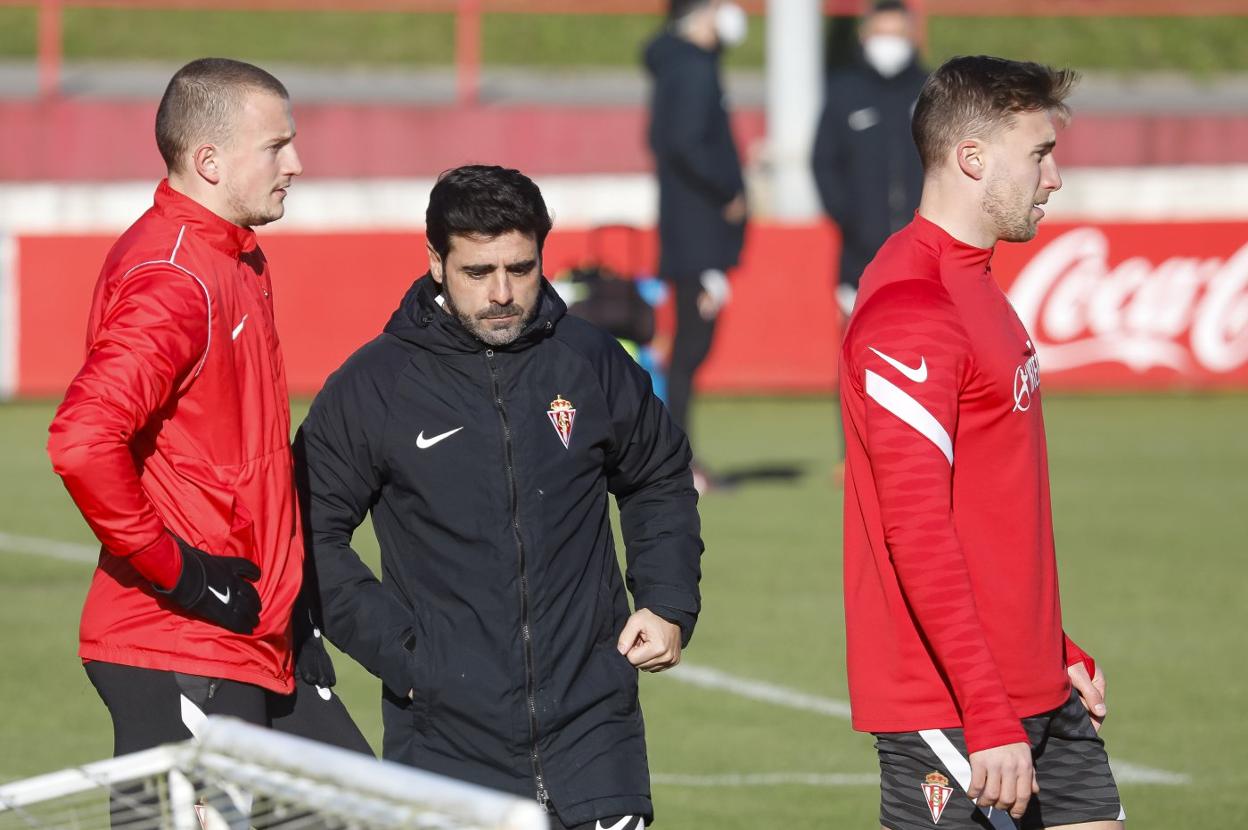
(421, 320)
(667, 50)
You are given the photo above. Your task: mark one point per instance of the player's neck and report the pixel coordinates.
(206, 196)
(956, 213)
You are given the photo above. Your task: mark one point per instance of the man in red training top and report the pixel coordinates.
(957, 658)
(173, 439)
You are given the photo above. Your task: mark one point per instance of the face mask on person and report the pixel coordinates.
(731, 25)
(888, 54)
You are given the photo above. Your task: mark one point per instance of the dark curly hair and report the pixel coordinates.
(484, 200)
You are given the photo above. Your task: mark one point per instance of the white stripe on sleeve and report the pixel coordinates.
(895, 400)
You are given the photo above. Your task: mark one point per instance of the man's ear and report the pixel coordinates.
(435, 263)
(207, 163)
(970, 156)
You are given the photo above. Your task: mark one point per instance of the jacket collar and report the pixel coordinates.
(957, 256)
(420, 319)
(225, 236)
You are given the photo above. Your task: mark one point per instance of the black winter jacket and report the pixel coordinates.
(865, 163)
(698, 166)
(500, 599)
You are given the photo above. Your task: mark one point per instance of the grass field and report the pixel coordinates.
(1149, 497)
(1201, 45)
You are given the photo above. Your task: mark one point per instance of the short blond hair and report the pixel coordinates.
(201, 102)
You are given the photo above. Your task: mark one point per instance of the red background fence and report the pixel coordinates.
(1114, 306)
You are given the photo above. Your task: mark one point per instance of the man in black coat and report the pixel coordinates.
(865, 162)
(485, 431)
(702, 208)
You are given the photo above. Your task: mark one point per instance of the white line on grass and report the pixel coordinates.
(34, 546)
(760, 690)
(1128, 773)
(707, 678)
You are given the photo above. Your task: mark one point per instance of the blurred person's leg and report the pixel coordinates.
(690, 346)
(695, 332)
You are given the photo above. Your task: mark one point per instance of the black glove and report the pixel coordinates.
(312, 663)
(217, 589)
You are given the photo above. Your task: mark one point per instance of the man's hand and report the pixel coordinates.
(650, 642)
(736, 211)
(312, 662)
(217, 589)
(1002, 777)
(1091, 691)
(715, 294)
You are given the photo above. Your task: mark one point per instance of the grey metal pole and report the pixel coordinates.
(794, 99)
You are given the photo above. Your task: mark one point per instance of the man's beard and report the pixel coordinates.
(251, 217)
(1002, 199)
(478, 324)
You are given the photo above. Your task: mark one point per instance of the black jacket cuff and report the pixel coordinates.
(677, 617)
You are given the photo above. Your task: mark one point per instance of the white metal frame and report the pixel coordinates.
(322, 778)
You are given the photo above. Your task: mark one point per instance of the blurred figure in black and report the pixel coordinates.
(702, 209)
(865, 162)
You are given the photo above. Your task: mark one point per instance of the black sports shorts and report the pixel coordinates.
(612, 823)
(924, 776)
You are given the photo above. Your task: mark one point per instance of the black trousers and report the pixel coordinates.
(690, 347)
(151, 707)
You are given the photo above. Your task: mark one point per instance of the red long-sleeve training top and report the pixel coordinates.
(951, 596)
(179, 419)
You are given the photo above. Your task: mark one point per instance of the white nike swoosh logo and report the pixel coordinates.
(425, 443)
(225, 598)
(598, 825)
(863, 119)
(917, 374)
(239, 328)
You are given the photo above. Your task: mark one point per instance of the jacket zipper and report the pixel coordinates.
(526, 631)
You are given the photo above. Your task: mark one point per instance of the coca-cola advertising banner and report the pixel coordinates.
(1134, 305)
(1109, 306)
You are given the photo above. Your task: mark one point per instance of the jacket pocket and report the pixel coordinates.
(419, 650)
(240, 540)
(204, 509)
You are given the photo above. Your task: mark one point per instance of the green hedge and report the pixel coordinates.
(1199, 45)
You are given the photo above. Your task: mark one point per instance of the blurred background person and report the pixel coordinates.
(702, 207)
(865, 164)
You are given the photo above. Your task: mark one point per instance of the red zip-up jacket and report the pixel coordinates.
(951, 597)
(180, 419)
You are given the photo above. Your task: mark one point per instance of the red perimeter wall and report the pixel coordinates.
(1114, 306)
(70, 140)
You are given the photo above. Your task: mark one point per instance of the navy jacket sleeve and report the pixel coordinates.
(339, 470)
(648, 472)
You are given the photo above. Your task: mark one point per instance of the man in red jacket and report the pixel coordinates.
(985, 713)
(173, 438)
